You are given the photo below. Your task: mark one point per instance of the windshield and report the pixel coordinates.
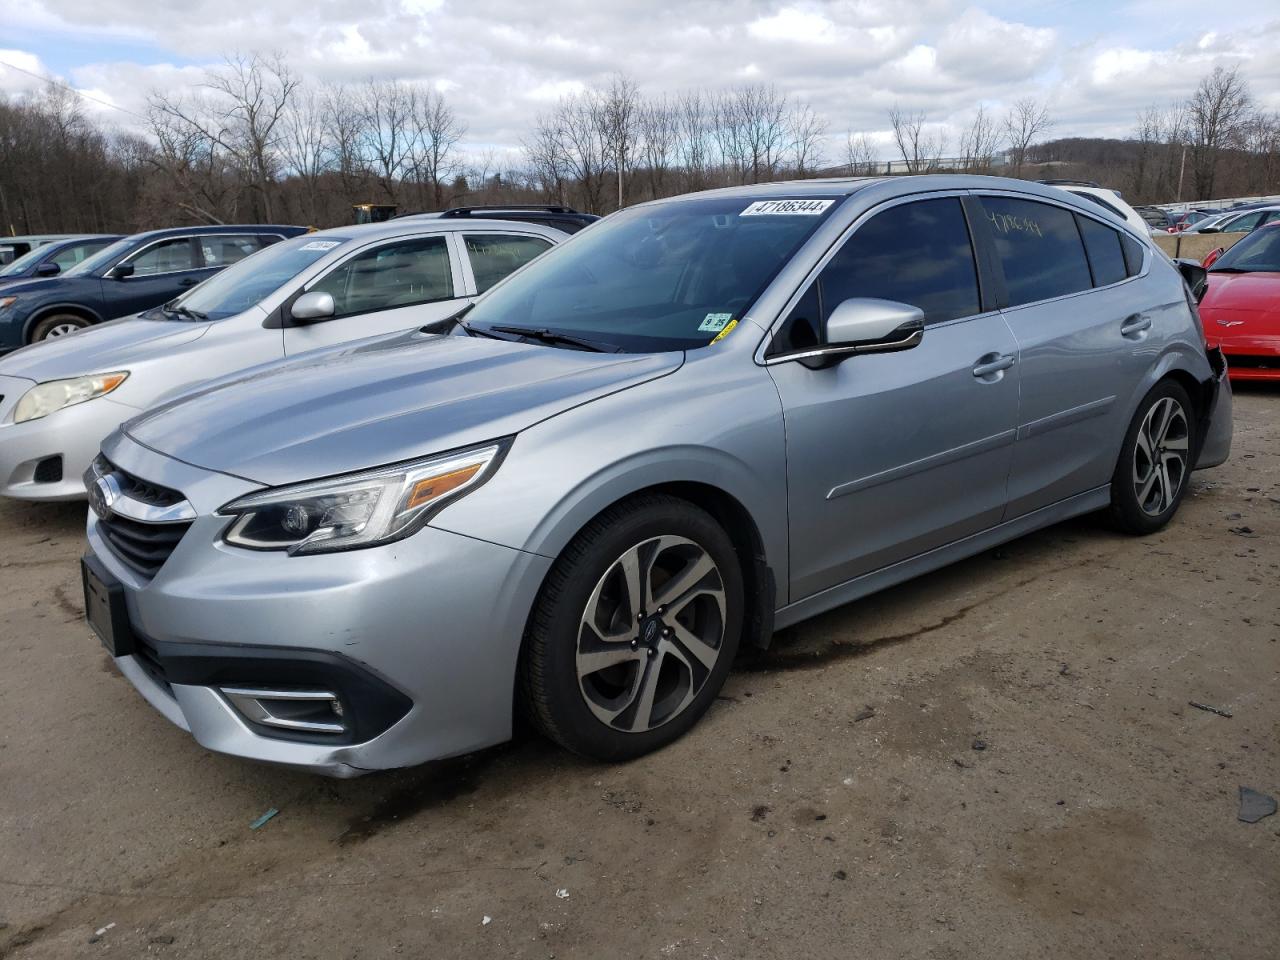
(669, 276)
(23, 262)
(103, 257)
(1257, 252)
(248, 281)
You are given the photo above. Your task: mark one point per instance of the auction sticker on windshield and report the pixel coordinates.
(803, 208)
(320, 245)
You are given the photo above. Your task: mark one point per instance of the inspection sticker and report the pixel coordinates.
(714, 322)
(787, 208)
(725, 332)
(320, 245)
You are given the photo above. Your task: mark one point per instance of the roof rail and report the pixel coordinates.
(490, 208)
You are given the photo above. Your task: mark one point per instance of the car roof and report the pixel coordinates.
(414, 226)
(219, 228)
(40, 238)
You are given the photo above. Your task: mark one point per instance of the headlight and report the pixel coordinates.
(46, 398)
(360, 509)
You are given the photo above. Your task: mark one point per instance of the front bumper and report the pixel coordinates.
(46, 459)
(436, 618)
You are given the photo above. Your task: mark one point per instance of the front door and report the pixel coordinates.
(391, 286)
(161, 271)
(891, 455)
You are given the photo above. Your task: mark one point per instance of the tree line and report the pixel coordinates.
(255, 142)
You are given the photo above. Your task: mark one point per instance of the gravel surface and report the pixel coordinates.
(999, 760)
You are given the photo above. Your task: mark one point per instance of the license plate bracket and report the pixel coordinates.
(104, 607)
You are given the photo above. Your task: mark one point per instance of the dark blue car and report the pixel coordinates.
(54, 258)
(127, 277)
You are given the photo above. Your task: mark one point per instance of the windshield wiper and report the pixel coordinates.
(543, 335)
(168, 309)
(1231, 270)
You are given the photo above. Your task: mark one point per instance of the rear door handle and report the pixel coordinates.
(992, 364)
(1134, 325)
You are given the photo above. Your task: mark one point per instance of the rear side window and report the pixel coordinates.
(494, 256)
(221, 250)
(1106, 258)
(68, 257)
(1039, 247)
(1132, 255)
(393, 275)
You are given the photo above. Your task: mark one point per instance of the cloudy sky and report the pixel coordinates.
(502, 61)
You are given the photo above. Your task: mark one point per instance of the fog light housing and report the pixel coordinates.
(299, 711)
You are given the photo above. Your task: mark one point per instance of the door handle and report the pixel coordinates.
(188, 282)
(1134, 325)
(993, 363)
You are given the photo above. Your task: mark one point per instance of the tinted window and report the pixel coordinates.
(167, 256)
(1106, 258)
(1132, 255)
(917, 253)
(220, 250)
(1102, 203)
(494, 256)
(1259, 252)
(392, 275)
(1039, 247)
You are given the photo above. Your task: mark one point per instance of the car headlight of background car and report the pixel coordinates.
(46, 398)
(359, 509)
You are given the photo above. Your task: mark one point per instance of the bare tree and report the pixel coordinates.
(618, 108)
(1026, 120)
(920, 149)
(304, 147)
(387, 108)
(659, 123)
(1216, 116)
(978, 143)
(807, 133)
(860, 155)
(241, 111)
(436, 133)
(693, 125)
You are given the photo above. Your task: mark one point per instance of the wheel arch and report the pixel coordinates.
(75, 309)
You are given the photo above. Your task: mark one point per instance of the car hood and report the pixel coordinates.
(381, 401)
(104, 348)
(1242, 303)
(47, 285)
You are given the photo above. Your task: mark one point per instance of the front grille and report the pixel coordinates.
(143, 546)
(135, 488)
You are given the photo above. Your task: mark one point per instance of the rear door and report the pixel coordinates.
(494, 255)
(161, 270)
(894, 454)
(1082, 329)
(389, 286)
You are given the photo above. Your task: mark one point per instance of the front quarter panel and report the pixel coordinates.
(716, 421)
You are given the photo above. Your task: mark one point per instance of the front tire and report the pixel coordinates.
(1155, 463)
(57, 325)
(635, 630)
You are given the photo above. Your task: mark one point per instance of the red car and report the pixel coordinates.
(1241, 306)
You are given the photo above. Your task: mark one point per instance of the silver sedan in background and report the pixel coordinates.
(59, 399)
(696, 421)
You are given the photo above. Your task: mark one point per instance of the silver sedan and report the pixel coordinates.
(59, 399)
(697, 421)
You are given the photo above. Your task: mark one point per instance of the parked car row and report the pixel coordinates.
(579, 485)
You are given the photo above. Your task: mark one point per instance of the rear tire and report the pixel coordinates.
(601, 673)
(1154, 469)
(57, 325)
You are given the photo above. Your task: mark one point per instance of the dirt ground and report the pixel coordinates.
(996, 761)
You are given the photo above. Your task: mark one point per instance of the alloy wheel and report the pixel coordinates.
(651, 634)
(61, 330)
(1160, 460)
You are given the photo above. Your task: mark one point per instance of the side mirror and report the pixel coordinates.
(867, 325)
(121, 270)
(313, 306)
(48, 269)
(1196, 277)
